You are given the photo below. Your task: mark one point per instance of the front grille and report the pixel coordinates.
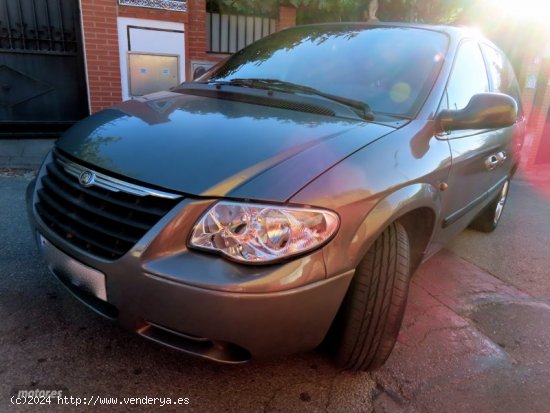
(104, 223)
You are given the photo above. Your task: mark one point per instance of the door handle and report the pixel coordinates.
(491, 162)
(495, 160)
(501, 156)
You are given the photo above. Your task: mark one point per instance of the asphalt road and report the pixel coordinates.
(475, 335)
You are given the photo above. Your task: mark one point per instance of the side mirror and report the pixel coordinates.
(484, 111)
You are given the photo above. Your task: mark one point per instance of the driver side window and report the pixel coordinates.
(468, 78)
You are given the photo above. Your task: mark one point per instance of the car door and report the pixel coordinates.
(506, 143)
(469, 177)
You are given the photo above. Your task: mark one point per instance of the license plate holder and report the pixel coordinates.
(70, 270)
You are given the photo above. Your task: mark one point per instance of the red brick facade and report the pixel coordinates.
(152, 14)
(540, 114)
(287, 17)
(537, 104)
(196, 30)
(101, 43)
(100, 36)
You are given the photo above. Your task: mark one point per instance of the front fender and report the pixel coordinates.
(391, 208)
(386, 210)
(382, 182)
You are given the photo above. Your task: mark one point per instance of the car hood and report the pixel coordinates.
(215, 148)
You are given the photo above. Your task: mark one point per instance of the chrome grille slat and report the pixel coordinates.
(112, 184)
(82, 240)
(63, 178)
(80, 221)
(104, 215)
(105, 220)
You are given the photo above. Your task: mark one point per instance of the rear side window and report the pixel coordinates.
(501, 72)
(468, 78)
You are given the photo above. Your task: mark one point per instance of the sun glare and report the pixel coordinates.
(527, 10)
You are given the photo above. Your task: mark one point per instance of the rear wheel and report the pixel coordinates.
(489, 218)
(368, 323)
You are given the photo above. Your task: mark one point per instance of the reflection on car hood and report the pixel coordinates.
(211, 147)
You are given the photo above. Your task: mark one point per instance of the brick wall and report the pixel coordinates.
(287, 17)
(528, 68)
(196, 31)
(101, 49)
(152, 14)
(100, 36)
(540, 114)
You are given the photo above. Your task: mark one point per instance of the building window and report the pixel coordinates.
(174, 5)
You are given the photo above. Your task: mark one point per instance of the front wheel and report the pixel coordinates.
(368, 323)
(489, 218)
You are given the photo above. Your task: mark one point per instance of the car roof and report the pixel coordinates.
(454, 32)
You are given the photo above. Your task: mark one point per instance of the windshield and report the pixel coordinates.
(392, 69)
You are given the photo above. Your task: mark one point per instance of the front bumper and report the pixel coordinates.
(200, 303)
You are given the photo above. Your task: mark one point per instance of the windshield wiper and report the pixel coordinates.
(275, 84)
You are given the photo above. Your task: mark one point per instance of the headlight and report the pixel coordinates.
(257, 233)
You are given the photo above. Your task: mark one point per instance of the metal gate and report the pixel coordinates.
(42, 80)
(230, 33)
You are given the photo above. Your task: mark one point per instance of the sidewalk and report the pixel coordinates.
(23, 153)
(469, 342)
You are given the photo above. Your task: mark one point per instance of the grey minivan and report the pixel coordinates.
(285, 198)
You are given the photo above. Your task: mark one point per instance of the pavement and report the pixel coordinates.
(475, 335)
(23, 153)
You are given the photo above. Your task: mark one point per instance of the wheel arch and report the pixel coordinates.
(419, 224)
(417, 207)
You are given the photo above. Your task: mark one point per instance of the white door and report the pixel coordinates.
(162, 42)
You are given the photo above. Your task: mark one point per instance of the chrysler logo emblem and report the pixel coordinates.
(86, 178)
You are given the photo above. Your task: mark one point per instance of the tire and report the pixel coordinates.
(366, 328)
(489, 218)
